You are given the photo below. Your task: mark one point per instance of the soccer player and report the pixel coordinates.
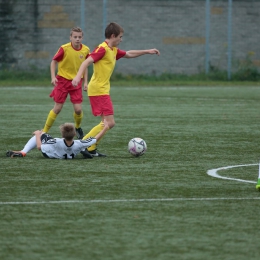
(69, 57)
(258, 184)
(104, 58)
(258, 181)
(59, 148)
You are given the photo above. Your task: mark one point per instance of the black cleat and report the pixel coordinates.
(14, 154)
(79, 133)
(86, 154)
(94, 153)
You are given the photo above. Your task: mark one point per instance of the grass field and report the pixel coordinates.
(160, 206)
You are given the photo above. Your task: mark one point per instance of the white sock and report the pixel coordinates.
(31, 144)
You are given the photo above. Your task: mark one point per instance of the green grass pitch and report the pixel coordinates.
(160, 206)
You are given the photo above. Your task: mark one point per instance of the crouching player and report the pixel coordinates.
(59, 148)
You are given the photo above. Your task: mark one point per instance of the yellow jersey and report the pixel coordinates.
(104, 63)
(70, 59)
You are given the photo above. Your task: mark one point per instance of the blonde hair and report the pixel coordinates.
(76, 29)
(68, 131)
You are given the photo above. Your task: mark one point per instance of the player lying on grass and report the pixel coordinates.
(59, 148)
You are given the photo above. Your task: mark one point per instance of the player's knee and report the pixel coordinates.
(110, 121)
(56, 110)
(111, 124)
(78, 111)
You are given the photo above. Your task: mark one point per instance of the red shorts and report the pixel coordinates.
(63, 88)
(101, 105)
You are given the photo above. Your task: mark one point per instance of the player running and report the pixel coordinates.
(104, 58)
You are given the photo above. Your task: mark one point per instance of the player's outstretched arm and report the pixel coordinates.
(38, 134)
(100, 134)
(85, 78)
(84, 65)
(137, 53)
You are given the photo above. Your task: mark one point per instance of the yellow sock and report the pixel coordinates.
(78, 119)
(92, 133)
(49, 122)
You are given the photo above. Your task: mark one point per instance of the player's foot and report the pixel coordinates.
(94, 153)
(258, 185)
(86, 154)
(15, 154)
(79, 133)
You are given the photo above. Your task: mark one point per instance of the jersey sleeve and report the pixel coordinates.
(59, 55)
(120, 54)
(88, 142)
(98, 53)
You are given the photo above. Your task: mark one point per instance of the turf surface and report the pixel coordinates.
(162, 205)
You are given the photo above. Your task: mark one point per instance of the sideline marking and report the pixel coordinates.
(213, 172)
(123, 200)
(24, 87)
(20, 105)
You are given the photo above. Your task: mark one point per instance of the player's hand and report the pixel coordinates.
(75, 82)
(105, 123)
(54, 81)
(85, 87)
(154, 51)
(37, 132)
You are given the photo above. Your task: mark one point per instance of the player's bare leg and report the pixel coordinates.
(97, 129)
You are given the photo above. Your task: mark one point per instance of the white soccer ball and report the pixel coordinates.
(137, 146)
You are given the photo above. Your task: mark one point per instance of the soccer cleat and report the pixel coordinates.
(79, 133)
(258, 185)
(94, 153)
(15, 154)
(86, 154)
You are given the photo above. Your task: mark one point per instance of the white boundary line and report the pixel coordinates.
(25, 87)
(120, 201)
(19, 105)
(213, 172)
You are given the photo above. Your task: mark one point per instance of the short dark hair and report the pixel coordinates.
(113, 28)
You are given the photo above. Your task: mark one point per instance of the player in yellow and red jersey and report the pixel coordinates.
(104, 58)
(69, 57)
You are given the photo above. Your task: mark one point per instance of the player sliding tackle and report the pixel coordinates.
(59, 148)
